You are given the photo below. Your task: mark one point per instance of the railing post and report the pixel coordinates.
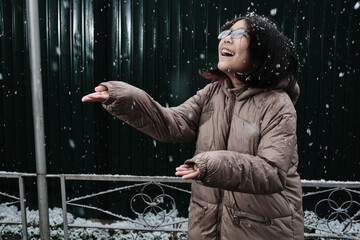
(38, 115)
(22, 208)
(64, 207)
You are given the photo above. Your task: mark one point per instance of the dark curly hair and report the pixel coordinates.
(273, 54)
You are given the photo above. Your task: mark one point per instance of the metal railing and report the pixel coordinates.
(335, 212)
(153, 204)
(16, 199)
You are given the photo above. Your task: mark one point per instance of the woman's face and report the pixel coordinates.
(234, 53)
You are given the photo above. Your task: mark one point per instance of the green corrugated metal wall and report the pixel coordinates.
(160, 46)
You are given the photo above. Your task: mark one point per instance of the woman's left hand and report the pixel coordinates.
(187, 171)
(101, 94)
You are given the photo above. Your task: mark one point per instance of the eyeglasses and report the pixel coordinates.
(237, 33)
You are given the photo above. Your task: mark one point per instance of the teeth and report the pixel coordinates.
(227, 52)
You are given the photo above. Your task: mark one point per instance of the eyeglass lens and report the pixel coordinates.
(237, 33)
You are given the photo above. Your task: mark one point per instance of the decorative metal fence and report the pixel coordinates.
(334, 211)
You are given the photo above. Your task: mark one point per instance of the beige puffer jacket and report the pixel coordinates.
(246, 149)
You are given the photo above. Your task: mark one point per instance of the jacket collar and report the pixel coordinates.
(246, 92)
(240, 93)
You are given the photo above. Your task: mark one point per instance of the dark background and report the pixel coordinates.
(160, 46)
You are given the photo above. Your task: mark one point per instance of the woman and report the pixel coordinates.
(246, 184)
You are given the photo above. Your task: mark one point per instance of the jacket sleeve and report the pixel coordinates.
(139, 110)
(264, 173)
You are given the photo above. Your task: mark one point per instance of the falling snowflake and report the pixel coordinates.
(357, 5)
(58, 52)
(72, 143)
(273, 11)
(308, 131)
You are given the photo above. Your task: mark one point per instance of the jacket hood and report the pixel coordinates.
(246, 92)
(292, 91)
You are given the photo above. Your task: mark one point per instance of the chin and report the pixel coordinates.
(223, 67)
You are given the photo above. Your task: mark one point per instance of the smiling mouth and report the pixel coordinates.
(227, 53)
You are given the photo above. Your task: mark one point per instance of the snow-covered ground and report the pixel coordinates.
(108, 231)
(96, 230)
(350, 229)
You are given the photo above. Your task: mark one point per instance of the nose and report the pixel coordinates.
(228, 39)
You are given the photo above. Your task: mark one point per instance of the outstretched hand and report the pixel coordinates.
(187, 171)
(100, 95)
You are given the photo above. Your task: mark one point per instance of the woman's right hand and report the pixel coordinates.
(100, 95)
(188, 172)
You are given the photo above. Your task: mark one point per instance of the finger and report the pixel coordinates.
(191, 175)
(185, 172)
(100, 88)
(184, 166)
(95, 97)
(181, 173)
(181, 168)
(89, 98)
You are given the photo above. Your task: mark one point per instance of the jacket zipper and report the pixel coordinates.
(230, 115)
(238, 220)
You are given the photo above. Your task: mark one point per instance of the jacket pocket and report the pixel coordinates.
(202, 220)
(200, 206)
(241, 218)
(198, 211)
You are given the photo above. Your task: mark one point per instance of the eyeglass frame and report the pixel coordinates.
(232, 33)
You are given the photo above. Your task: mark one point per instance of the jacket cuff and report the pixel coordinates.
(111, 97)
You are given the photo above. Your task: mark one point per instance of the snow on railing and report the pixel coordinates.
(335, 212)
